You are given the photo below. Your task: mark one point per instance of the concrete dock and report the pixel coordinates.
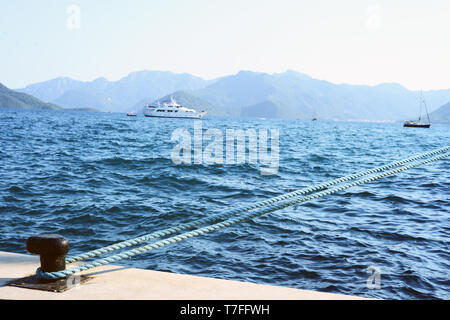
(116, 283)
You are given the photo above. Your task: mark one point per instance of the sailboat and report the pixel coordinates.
(419, 124)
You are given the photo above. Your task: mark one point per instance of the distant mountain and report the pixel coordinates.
(50, 90)
(266, 109)
(441, 115)
(118, 95)
(295, 95)
(246, 94)
(18, 100)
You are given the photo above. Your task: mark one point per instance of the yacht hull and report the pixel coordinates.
(181, 117)
(416, 125)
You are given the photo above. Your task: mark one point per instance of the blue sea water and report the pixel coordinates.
(98, 178)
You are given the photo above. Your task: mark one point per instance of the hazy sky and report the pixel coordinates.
(351, 41)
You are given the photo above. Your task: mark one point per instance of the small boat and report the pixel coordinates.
(131, 114)
(419, 124)
(172, 110)
(314, 119)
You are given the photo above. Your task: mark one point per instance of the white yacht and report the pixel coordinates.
(172, 110)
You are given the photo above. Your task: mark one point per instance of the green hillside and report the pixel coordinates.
(18, 100)
(12, 99)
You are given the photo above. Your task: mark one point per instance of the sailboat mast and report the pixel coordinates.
(426, 110)
(420, 106)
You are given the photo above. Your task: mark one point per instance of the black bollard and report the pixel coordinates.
(52, 248)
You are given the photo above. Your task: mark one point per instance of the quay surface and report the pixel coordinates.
(112, 282)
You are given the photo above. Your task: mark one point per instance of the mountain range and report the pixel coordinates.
(246, 94)
(116, 96)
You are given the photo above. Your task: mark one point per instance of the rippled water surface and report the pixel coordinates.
(98, 178)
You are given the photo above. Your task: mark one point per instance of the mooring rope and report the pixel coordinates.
(232, 221)
(226, 214)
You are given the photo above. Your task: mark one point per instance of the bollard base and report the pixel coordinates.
(59, 285)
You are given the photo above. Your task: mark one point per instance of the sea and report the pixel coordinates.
(100, 178)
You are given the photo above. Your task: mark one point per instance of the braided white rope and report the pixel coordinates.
(227, 223)
(226, 214)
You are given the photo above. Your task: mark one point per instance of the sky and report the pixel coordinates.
(346, 41)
